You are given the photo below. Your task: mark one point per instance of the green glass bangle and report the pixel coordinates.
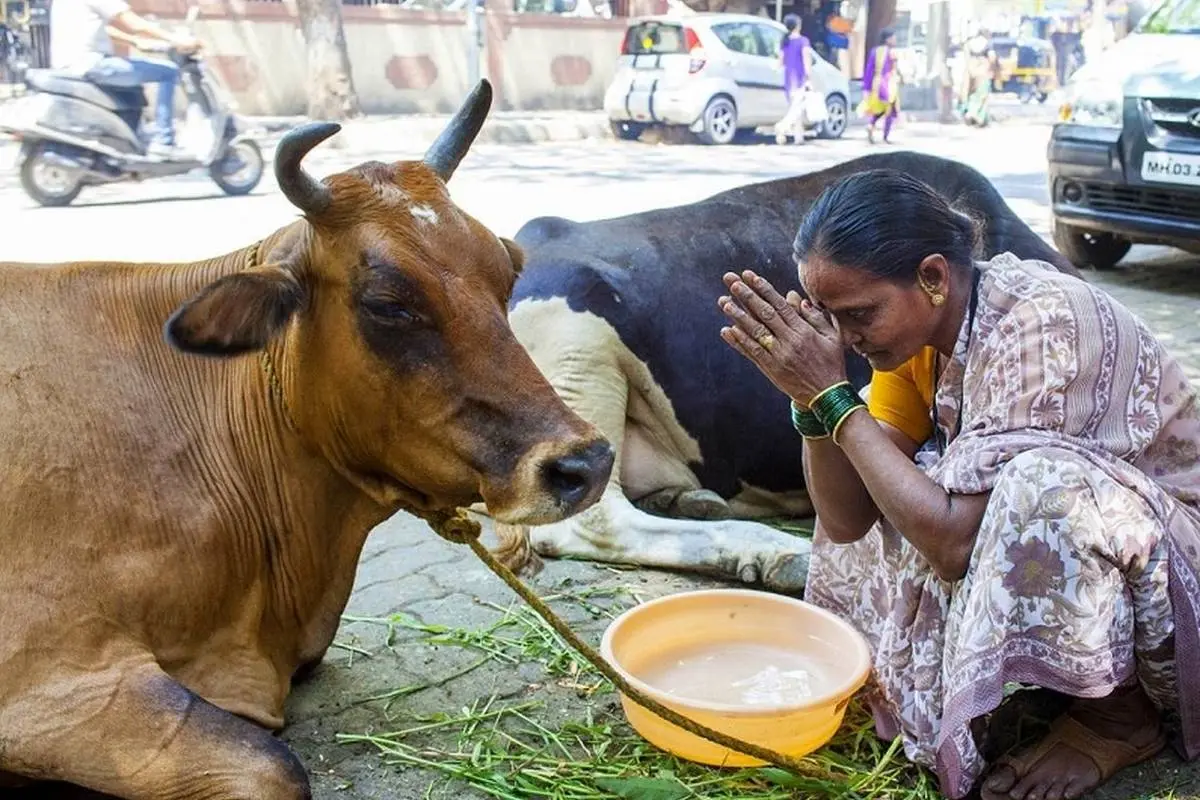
(832, 405)
(807, 424)
(837, 428)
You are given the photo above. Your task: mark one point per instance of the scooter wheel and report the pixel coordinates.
(240, 170)
(48, 183)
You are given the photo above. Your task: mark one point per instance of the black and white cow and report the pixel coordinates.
(621, 317)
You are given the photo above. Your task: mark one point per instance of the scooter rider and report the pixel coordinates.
(81, 44)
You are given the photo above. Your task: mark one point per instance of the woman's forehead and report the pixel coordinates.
(813, 273)
(824, 282)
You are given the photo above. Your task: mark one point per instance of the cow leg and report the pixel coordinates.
(615, 531)
(134, 732)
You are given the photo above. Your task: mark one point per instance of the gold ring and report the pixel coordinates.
(766, 341)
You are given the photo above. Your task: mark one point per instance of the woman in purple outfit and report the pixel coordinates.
(881, 85)
(794, 55)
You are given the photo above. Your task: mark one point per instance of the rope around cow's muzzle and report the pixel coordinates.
(454, 526)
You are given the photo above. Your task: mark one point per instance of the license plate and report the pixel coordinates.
(1171, 168)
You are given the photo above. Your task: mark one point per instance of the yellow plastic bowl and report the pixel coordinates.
(646, 636)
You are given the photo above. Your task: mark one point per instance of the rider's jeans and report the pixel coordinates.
(125, 73)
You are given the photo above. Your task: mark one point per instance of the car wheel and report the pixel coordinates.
(627, 131)
(837, 116)
(1085, 248)
(720, 121)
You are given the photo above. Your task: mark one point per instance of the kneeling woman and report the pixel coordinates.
(1020, 502)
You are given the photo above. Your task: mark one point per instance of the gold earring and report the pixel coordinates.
(935, 297)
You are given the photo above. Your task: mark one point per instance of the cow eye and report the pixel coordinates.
(388, 310)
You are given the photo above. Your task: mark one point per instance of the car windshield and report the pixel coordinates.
(654, 38)
(1173, 16)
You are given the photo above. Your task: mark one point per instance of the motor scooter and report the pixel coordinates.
(74, 133)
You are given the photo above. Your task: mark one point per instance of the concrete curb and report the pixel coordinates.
(371, 133)
(381, 133)
(384, 133)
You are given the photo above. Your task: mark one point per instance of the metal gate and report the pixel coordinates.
(24, 37)
(38, 30)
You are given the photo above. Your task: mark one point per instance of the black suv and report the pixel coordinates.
(1125, 159)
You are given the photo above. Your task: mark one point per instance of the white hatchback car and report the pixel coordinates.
(714, 73)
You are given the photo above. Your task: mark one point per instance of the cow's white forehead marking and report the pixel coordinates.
(390, 193)
(424, 214)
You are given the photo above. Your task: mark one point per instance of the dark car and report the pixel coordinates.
(1125, 159)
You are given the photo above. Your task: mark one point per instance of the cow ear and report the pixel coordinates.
(515, 254)
(236, 314)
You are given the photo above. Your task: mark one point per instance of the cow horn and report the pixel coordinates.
(454, 142)
(301, 189)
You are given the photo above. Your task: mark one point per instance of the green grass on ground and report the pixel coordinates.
(507, 749)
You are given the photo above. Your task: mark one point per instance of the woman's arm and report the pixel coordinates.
(940, 525)
(839, 496)
(802, 354)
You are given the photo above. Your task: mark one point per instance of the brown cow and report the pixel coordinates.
(180, 534)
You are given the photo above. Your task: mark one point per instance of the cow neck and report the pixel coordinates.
(265, 360)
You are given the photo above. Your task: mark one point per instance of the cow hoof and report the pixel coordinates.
(685, 504)
(661, 503)
(787, 574)
(516, 550)
(702, 504)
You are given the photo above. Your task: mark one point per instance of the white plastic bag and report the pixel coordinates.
(794, 118)
(814, 108)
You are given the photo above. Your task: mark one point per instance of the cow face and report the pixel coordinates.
(385, 317)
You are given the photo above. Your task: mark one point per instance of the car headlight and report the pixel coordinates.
(1093, 103)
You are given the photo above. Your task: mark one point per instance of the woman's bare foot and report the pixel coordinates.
(1083, 749)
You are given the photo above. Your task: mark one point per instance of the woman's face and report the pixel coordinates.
(884, 321)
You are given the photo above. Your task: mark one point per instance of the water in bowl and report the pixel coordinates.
(742, 674)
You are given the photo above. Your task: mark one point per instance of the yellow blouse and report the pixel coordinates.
(902, 398)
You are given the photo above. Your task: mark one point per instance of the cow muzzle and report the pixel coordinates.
(553, 483)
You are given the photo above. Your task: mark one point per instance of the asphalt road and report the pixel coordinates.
(503, 185)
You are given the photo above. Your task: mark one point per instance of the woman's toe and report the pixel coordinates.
(1000, 782)
(1057, 788)
(1027, 788)
(1076, 788)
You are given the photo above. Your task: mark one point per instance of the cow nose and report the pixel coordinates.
(580, 476)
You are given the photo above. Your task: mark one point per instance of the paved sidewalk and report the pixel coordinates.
(379, 132)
